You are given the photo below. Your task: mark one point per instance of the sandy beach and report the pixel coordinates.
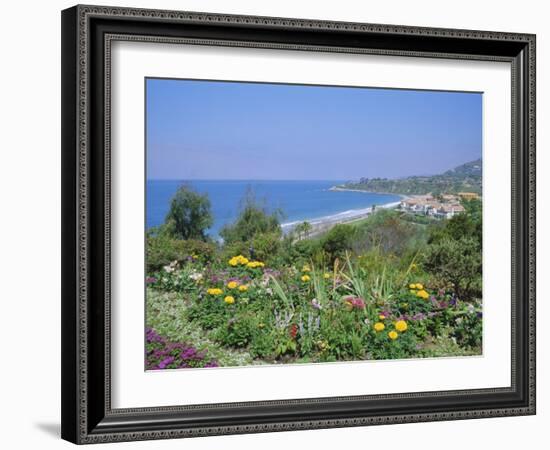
(322, 224)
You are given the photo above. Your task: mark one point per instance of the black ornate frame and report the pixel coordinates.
(87, 33)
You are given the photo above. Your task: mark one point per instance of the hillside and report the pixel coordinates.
(463, 178)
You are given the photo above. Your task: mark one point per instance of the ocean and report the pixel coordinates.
(298, 200)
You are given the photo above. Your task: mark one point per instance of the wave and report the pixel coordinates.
(338, 217)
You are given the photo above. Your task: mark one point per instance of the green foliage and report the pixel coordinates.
(162, 249)
(338, 240)
(468, 330)
(189, 216)
(458, 261)
(253, 219)
(266, 297)
(266, 246)
(466, 177)
(237, 331)
(387, 231)
(302, 230)
(464, 225)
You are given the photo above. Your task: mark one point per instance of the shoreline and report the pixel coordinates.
(341, 189)
(324, 223)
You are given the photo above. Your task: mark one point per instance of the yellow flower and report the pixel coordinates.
(229, 300)
(306, 268)
(379, 326)
(214, 291)
(323, 345)
(393, 335)
(305, 278)
(233, 262)
(243, 287)
(423, 294)
(381, 316)
(232, 284)
(401, 325)
(419, 286)
(412, 291)
(254, 264)
(412, 286)
(326, 276)
(413, 266)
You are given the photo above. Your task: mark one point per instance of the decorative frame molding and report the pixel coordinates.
(87, 34)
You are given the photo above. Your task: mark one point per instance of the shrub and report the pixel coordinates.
(263, 344)
(458, 261)
(162, 249)
(209, 313)
(387, 231)
(253, 219)
(266, 246)
(237, 331)
(189, 216)
(338, 240)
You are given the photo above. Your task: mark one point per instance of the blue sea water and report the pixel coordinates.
(298, 200)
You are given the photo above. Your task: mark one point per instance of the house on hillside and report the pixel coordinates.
(468, 195)
(445, 207)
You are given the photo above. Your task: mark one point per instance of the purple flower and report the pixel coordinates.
(160, 353)
(165, 362)
(150, 280)
(189, 353)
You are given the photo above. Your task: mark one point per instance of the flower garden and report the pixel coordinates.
(283, 299)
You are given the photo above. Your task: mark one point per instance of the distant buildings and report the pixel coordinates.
(468, 195)
(444, 206)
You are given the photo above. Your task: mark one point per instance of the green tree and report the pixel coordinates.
(303, 229)
(387, 231)
(189, 216)
(457, 261)
(254, 219)
(338, 240)
(466, 224)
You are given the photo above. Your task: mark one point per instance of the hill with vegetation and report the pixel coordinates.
(463, 178)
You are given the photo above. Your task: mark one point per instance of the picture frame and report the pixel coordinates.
(87, 366)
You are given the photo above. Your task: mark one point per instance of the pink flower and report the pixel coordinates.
(358, 303)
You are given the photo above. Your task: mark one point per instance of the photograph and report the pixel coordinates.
(294, 223)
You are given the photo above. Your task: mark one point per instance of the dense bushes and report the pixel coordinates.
(380, 288)
(162, 249)
(254, 219)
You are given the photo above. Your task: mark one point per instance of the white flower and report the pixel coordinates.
(195, 276)
(168, 269)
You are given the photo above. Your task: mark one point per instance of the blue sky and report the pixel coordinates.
(240, 131)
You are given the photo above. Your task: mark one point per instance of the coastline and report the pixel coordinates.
(341, 189)
(322, 224)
